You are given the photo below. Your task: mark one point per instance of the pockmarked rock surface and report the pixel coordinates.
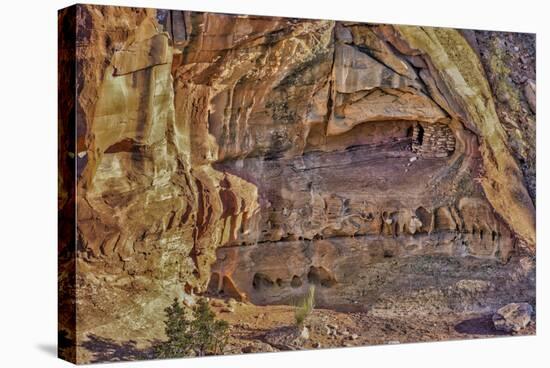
(252, 157)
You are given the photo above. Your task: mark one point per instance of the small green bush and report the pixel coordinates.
(201, 335)
(304, 307)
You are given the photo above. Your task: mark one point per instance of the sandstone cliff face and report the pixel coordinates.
(259, 155)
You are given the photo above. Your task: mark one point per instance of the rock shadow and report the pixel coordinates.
(479, 326)
(108, 350)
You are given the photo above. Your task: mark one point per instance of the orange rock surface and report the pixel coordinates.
(255, 156)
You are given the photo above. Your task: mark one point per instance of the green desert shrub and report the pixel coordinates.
(304, 307)
(200, 335)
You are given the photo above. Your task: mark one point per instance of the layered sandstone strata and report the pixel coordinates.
(259, 155)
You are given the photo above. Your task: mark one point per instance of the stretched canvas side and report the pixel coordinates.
(66, 120)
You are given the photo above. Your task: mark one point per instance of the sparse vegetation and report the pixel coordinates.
(504, 88)
(200, 335)
(304, 307)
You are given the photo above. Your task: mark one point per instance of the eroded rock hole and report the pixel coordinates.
(320, 276)
(261, 280)
(425, 218)
(296, 282)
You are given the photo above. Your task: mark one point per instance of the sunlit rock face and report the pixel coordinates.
(399, 165)
(255, 156)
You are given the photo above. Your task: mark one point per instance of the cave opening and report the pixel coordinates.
(296, 281)
(425, 218)
(320, 276)
(261, 280)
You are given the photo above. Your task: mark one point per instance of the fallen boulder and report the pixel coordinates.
(513, 317)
